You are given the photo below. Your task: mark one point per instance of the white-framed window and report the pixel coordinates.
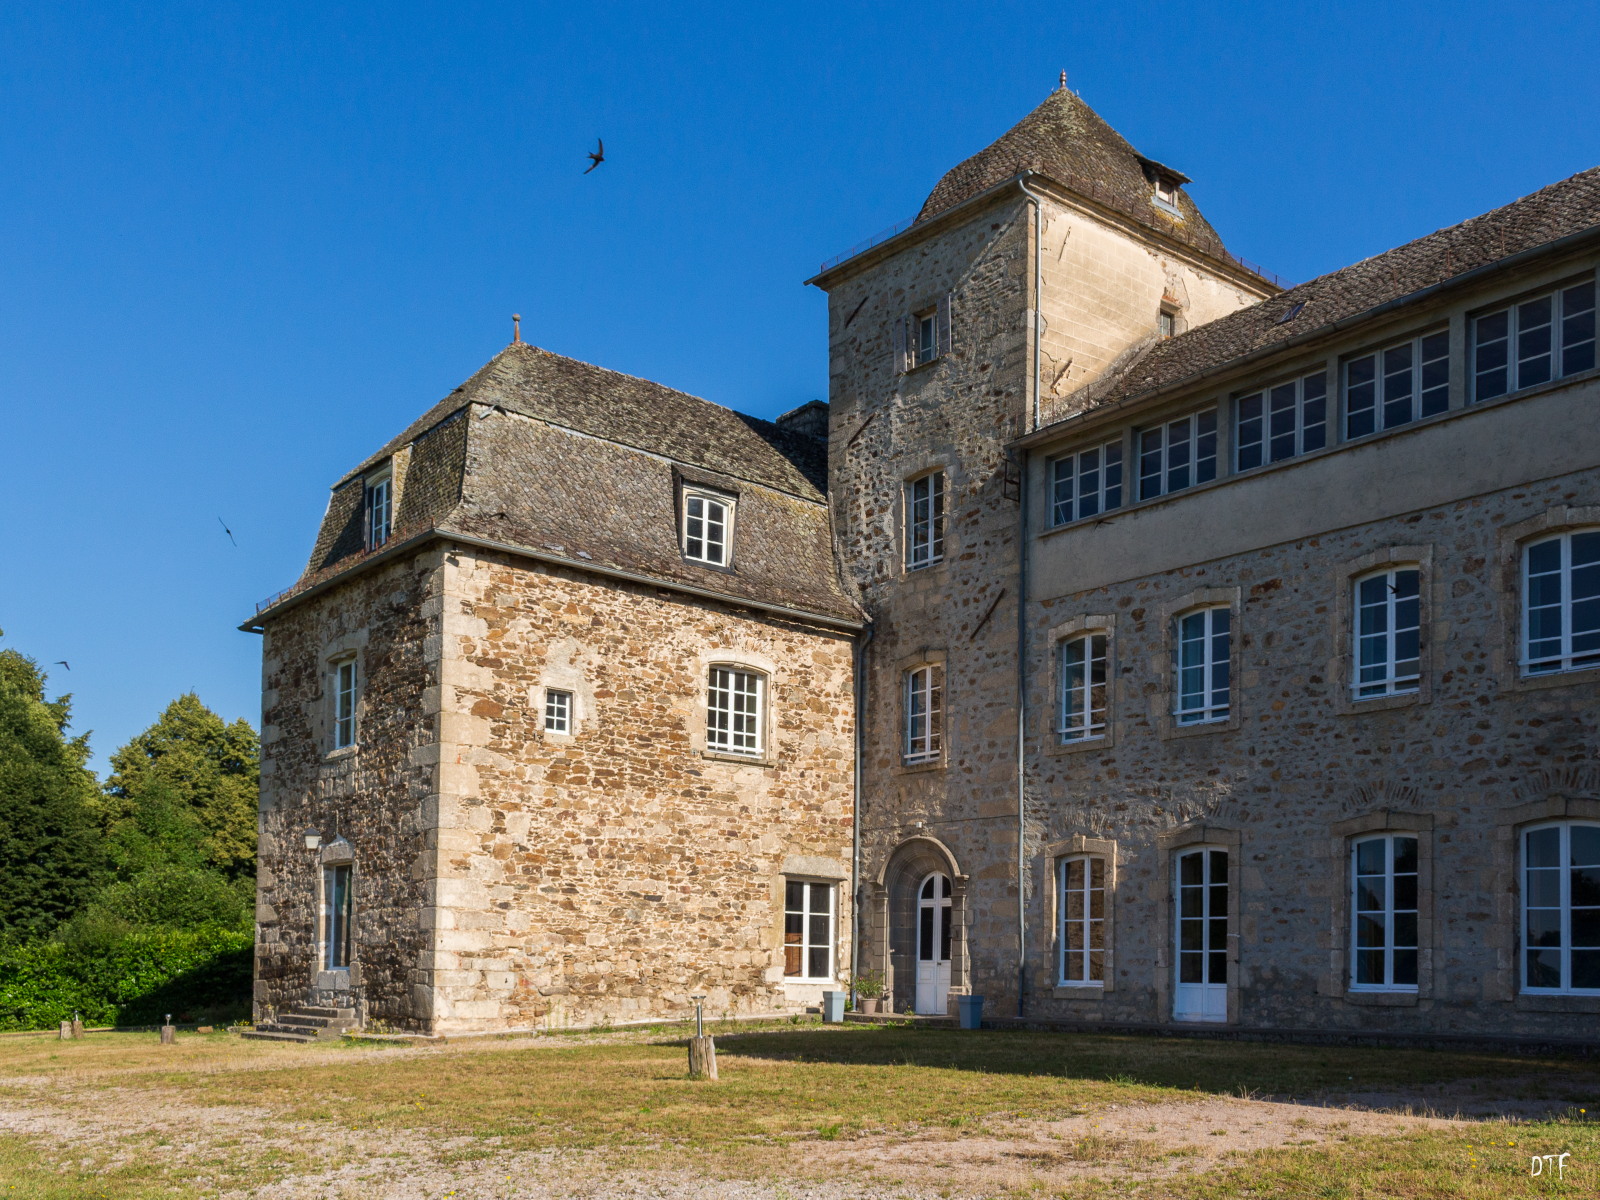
(346, 693)
(808, 929)
(1086, 484)
(1561, 603)
(926, 327)
(733, 711)
(1561, 908)
(1533, 341)
(707, 527)
(337, 904)
(1387, 636)
(1178, 454)
(1081, 669)
(924, 708)
(1167, 323)
(557, 711)
(925, 521)
(377, 507)
(1281, 421)
(1383, 913)
(1083, 920)
(1203, 654)
(1397, 385)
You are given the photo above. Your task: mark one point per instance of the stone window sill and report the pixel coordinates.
(905, 768)
(1587, 676)
(743, 760)
(1371, 704)
(1376, 999)
(1079, 991)
(342, 752)
(1078, 746)
(1199, 728)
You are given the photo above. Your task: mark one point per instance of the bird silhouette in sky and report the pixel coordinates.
(598, 154)
(61, 662)
(227, 531)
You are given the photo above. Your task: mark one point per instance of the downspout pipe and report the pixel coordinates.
(1037, 334)
(863, 640)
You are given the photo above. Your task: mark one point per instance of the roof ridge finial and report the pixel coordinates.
(516, 329)
(1063, 81)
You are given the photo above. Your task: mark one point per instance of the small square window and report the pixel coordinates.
(557, 711)
(707, 528)
(1166, 194)
(1167, 323)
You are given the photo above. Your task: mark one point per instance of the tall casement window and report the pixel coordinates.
(808, 927)
(926, 328)
(1178, 454)
(1395, 386)
(1281, 422)
(1533, 342)
(1383, 911)
(1561, 908)
(925, 521)
(346, 692)
(1561, 603)
(1203, 654)
(336, 909)
(557, 711)
(733, 711)
(1086, 484)
(1083, 920)
(923, 337)
(377, 508)
(1081, 670)
(924, 713)
(1388, 618)
(707, 528)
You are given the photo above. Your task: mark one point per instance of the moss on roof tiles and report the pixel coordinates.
(1067, 141)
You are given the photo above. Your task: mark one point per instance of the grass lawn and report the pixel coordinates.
(889, 1110)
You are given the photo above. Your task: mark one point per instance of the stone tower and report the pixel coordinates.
(1034, 269)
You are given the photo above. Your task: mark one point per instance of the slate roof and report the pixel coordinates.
(1568, 207)
(575, 463)
(1067, 141)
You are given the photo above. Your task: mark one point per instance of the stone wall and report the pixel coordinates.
(375, 794)
(609, 874)
(1299, 768)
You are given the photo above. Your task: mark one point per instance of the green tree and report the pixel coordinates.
(50, 850)
(190, 781)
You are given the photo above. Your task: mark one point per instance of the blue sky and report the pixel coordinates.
(244, 244)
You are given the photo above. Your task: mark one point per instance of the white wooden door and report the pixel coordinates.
(933, 945)
(1200, 991)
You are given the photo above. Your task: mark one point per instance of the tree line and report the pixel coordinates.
(154, 865)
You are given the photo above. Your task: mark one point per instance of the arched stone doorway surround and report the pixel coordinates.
(891, 905)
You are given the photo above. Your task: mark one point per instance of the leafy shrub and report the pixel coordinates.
(117, 976)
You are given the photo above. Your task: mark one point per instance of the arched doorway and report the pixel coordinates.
(933, 944)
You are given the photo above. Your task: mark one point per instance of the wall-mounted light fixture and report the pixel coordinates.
(313, 837)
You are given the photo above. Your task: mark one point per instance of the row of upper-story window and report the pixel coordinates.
(1514, 346)
(1558, 934)
(735, 702)
(1559, 623)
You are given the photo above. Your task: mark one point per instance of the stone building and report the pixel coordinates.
(1223, 653)
(552, 725)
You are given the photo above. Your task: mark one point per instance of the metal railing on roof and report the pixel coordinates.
(1093, 189)
(263, 605)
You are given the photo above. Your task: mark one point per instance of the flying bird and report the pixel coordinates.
(598, 154)
(61, 662)
(227, 531)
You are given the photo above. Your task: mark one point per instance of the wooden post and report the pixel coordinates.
(703, 1058)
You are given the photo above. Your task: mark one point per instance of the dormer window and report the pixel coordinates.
(1166, 194)
(377, 510)
(707, 527)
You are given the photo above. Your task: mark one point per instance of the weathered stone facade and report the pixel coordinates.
(1058, 295)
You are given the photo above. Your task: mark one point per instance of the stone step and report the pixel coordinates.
(295, 1018)
(263, 1033)
(322, 1010)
